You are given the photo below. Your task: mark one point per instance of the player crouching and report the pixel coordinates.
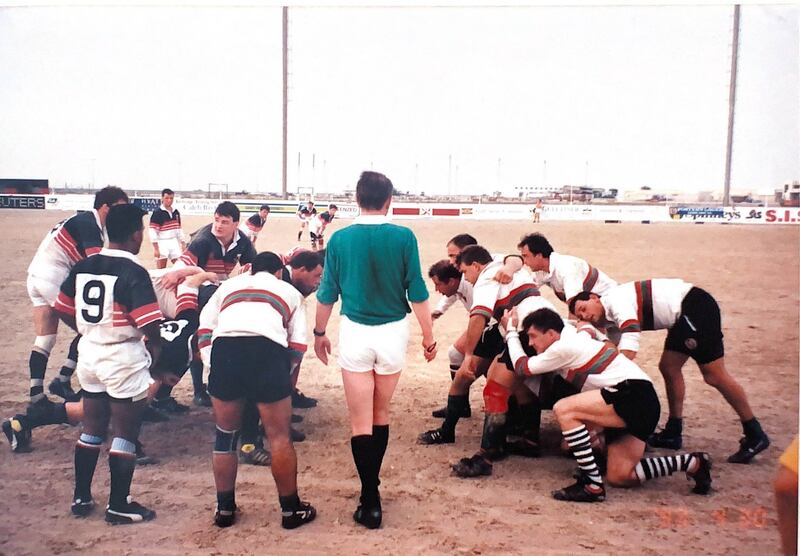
(614, 394)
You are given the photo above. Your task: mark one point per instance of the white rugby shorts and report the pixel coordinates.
(42, 292)
(121, 370)
(170, 248)
(381, 348)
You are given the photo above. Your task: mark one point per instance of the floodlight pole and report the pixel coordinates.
(285, 98)
(726, 194)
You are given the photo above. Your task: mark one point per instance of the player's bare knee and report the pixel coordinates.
(562, 410)
(621, 477)
(713, 378)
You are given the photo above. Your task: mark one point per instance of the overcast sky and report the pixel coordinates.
(466, 99)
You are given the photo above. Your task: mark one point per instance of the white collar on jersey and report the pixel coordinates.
(165, 209)
(119, 253)
(97, 219)
(371, 219)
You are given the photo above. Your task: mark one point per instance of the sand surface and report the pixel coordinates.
(752, 271)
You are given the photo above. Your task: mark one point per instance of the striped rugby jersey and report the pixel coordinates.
(490, 298)
(252, 226)
(111, 297)
(586, 363)
(254, 305)
(644, 305)
(206, 251)
(69, 242)
(570, 276)
(165, 224)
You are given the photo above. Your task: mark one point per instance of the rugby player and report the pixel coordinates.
(251, 331)
(110, 300)
(305, 212)
(253, 225)
(374, 266)
(166, 233)
(317, 225)
(181, 307)
(489, 299)
(69, 242)
(303, 270)
(692, 317)
(218, 248)
(614, 394)
(565, 274)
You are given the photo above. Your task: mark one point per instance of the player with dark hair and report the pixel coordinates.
(567, 275)
(614, 394)
(250, 332)
(317, 225)
(692, 317)
(253, 225)
(166, 233)
(218, 248)
(305, 212)
(303, 270)
(373, 331)
(490, 299)
(110, 300)
(69, 242)
(457, 244)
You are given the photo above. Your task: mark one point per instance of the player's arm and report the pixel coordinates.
(443, 305)
(511, 264)
(153, 229)
(417, 294)
(551, 360)
(209, 317)
(628, 322)
(65, 302)
(90, 236)
(297, 333)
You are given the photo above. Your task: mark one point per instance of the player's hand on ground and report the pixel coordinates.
(322, 347)
(429, 349)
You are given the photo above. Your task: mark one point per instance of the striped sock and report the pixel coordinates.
(87, 449)
(580, 445)
(652, 468)
(72, 361)
(42, 346)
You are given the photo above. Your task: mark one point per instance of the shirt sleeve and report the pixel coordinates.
(573, 276)
(623, 313)
(484, 298)
(208, 322)
(553, 359)
(329, 290)
(445, 303)
(415, 285)
(155, 226)
(196, 254)
(65, 302)
(298, 330)
(248, 253)
(89, 236)
(139, 299)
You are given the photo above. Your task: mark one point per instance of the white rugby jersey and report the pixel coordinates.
(586, 363)
(644, 305)
(254, 305)
(570, 276)
(111, 297)
(70, 241)
(172, 301)
(490, 298)
(463, 294)
(165, 224)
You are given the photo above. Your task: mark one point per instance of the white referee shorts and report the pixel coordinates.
(42, 292)
(381, 348)
(169, 248)
(121, 370)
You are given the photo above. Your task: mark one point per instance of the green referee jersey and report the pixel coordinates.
(374, 266)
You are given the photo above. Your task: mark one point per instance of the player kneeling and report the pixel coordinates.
(252, 331)
(614, 394)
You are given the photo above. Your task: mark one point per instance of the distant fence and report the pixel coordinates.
(450, 211)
